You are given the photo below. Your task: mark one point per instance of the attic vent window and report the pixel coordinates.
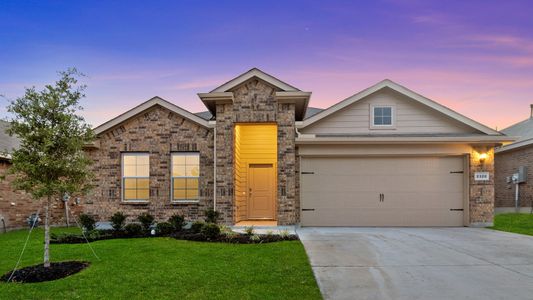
(382, 116)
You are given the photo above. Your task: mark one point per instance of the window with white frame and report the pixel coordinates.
(135, 176)
(382, 116)
(185, 175)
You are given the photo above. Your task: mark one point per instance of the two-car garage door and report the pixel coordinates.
(382, 191)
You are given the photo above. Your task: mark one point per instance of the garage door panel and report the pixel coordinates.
(418, 191)
(331, 217)
(339, 199)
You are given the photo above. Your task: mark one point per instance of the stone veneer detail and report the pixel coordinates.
(481, 204)
(254, 102)
(159, 132)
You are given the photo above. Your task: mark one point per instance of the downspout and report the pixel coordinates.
(297, 132)
(215, 168)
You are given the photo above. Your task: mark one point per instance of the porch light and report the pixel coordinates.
(482, 157)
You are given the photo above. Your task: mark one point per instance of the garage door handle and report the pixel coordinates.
(308, 209)
(456, 209)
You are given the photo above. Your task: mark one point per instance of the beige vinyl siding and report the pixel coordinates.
(411, 117)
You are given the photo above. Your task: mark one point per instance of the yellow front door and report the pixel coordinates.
(261, 191)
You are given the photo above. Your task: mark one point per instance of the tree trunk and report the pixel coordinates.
(47, 234)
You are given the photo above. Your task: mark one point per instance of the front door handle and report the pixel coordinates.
(383, 198)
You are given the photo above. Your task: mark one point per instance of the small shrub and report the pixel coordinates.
(164, 228)
(210, 230)
(269, 233)
(93, 235)
(255, 238)
(117, 221)
(249, 230)
(224, 229)
(284, 233)
(87, 221)
(146, 220)
(196, 227)
(231, 234)
(133, 229)
(177, 222)
(211, 216)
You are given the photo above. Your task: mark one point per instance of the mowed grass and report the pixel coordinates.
(164, 268)
(514, 222)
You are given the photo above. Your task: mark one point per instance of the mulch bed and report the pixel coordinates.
(38, 273)
(236, 238)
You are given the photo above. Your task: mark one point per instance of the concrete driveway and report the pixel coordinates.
(420, 263)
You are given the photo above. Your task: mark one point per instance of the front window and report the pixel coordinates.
(382, 116)
(185, 174)
(135, 176)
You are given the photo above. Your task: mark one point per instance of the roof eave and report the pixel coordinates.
(300, 100)
(311, 139)
(145, 106)
(211, 99)
(515, 146)
(255, 72)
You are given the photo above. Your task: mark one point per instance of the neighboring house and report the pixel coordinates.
(509, 159)
(385, 156)
(17, 206)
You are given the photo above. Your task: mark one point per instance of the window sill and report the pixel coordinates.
(178, 202)
(382, 127)
(135, 202)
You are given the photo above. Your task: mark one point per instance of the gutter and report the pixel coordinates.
(515, 145)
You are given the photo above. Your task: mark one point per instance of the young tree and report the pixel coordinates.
(50, 161)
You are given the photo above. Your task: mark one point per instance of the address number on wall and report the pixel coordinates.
(481, 176)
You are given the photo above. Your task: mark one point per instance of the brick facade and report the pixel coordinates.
(161, 131)
(255, 102)
(158, 132)
(506, 164)
(17, 206)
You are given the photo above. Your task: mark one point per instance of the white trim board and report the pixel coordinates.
(255, 72)
(146, 105)
(405, 91)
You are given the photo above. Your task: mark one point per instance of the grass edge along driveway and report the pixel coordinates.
(514, 222)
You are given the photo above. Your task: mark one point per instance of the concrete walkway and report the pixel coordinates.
(420, 263)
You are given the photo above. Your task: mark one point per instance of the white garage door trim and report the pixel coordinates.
(318, 181)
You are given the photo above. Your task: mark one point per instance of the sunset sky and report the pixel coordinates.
(475, 57)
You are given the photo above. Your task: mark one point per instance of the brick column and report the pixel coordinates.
(481, 205)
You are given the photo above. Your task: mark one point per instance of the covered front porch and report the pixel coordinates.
(255, 174)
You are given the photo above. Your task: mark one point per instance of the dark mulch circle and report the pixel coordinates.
(38, 273)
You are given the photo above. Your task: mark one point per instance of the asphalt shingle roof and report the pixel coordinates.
(523, 130)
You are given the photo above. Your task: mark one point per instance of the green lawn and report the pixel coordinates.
(164, 268)
(513, 222)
